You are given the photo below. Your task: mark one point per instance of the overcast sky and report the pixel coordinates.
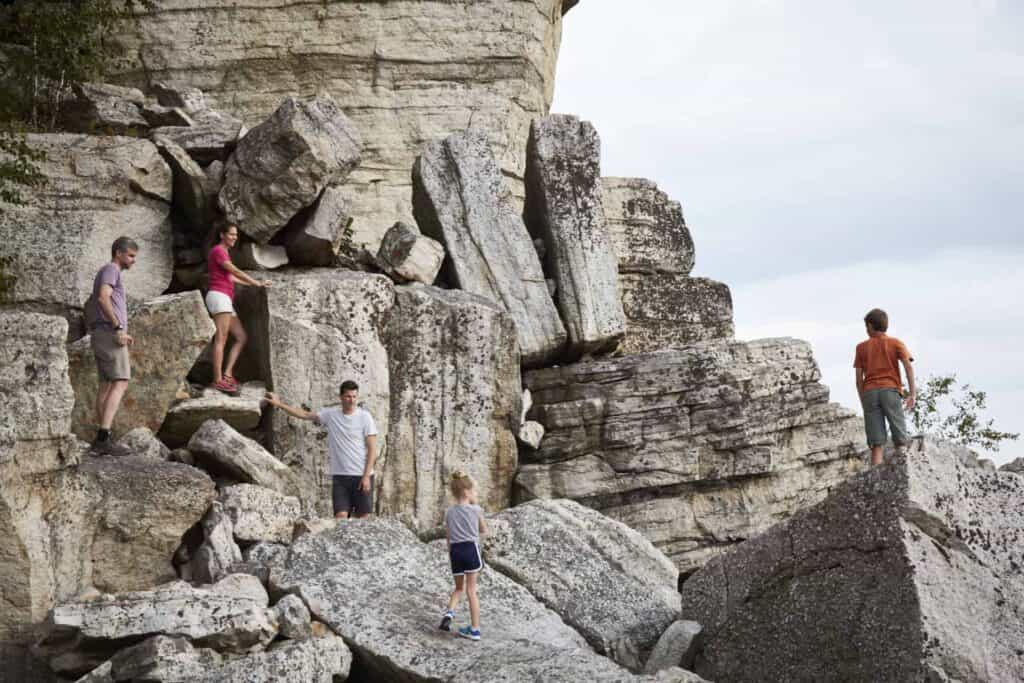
(831, 156)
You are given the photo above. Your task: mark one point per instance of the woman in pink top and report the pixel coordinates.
(220, 302)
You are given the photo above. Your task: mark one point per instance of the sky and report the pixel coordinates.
(831, 157)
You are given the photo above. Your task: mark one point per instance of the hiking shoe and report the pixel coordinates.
(108, 447)
(232, 381)
(446, 621)
(226, 387)
(469, 632)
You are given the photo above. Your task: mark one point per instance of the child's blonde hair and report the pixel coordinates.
(461, 483)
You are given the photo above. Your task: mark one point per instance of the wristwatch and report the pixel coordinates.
(118, 328)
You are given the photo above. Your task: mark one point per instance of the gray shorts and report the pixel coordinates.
(111, 358)
(881, 406)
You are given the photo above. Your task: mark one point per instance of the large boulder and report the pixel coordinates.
(170, 332)
(207, 141)
(100, 108)
(407, 256)
(242, 413)
(669, 310)
(603, 578)
(313, 329)
(565, 206)
(96, 189)
(282, 165)
(223, 450)
(195, 193)
(315, 236)
(522, 639)
(259, 514)
(455, 393)
(461, 200)
(646, 227)
(696, 448)
(397, 82)
(217, 553)
(910, 571)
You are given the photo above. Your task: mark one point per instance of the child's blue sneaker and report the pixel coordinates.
(446, 621)
(469, 632)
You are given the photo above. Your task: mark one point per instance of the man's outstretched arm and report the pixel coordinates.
(273, 400)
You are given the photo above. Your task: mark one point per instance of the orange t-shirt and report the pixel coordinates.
(879, 358)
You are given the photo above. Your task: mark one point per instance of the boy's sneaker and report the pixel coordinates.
(446, 621)
(469, 632)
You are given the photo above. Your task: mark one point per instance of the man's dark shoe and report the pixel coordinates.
(108, 447)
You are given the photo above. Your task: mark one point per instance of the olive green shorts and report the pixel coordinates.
(112, 362)
(883, 406)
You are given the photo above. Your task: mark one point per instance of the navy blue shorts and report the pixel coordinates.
(346, 496)
(465, 557)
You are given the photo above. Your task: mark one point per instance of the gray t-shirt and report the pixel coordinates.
(463, 522)
(110, 274)
(346, 439)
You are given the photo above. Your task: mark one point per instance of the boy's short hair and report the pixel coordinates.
(460, 483)
(878, 319)
(348, 385)
(123, 244)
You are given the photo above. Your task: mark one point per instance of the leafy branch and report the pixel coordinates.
(953, 411)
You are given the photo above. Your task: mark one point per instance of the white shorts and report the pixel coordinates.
(219, 302)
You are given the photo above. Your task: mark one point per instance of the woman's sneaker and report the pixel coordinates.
(232, 381)
(226, 387)
(469, 632)
(446, 621)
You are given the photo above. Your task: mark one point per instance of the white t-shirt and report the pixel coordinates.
(346, 439)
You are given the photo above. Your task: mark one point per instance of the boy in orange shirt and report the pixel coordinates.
(876, 365)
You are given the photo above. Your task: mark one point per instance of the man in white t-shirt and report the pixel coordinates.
(351, 447)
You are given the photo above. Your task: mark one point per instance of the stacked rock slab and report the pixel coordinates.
(664, 306)
(461, 200)
(565, 206)
(169, 332)
(315, 235)
(697, 448)
(96, 189)
(310, 331)
(382, 61)
(911, 571)
(455, 393)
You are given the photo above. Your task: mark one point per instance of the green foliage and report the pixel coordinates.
(18, 168)
(953, 411)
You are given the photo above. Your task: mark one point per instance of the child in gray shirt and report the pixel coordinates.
(464, 523)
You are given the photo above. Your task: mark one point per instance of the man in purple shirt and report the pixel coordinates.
(108, 329)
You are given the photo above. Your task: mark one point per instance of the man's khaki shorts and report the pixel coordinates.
(111, 358)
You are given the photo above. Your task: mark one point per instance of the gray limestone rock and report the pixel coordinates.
(678, 646)
(603, 578)
(293, 617)
(1016, 466)
(462, 347)
(253, 256)
(461, 200)
(696, 448)
(646, 227)
(259, 514)
(282, 165)
(141, 441)
(670, 310)
(192, 196)
(159, 116)
(241, 413)
(242, 458)
(97, 188)
(564, 205)
(530, 434)
(315, 236)
(407, 256)
(99, 108)
(163, 658)
(522, 639)
(188, 98)
(910, 571)
(170, 332)
(214, 558)
(207, 140)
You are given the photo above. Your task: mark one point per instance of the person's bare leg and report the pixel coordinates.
(113, 402)
(876, 455)
(453, 601)
(474, 602)
(101, 400)
(238, 333)
(222, 321)
(341, 514)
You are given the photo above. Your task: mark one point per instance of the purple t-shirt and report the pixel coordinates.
(110, 274)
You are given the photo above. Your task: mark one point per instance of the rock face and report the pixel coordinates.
(455, 393)
(282, 165)
(908, 572)
(370, 57)
(696, 448)
(664, 307)
(170, 332)
(223, 449)
(96, 189)
(523, 640)
(605, 579)
(565, 206)
(407, 256)
(241, 413)
(313, 330)
(461, 200)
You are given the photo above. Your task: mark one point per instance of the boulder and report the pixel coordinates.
(315, 329)
(221, 448)
(697, 448)
(188, 98)
(462, 347)
(141, 441)
(193, 198)
(96, 189)
(282, 165)
(206, 141)
(79, 636)
(315, 236)
(461, 200)
(1016, 466)
(293, 617)
(646, 227)
(669, 310)
(218, 552)
(564, 205)
(170, 332)
(603, 578)
(253, 256)
(401, 86)
(261, 558)
(159, 116)
(241, 412)
(99, 108)
(522, 638)
(678, 646)
(259, 514)
(407, 256)
(910, 571)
